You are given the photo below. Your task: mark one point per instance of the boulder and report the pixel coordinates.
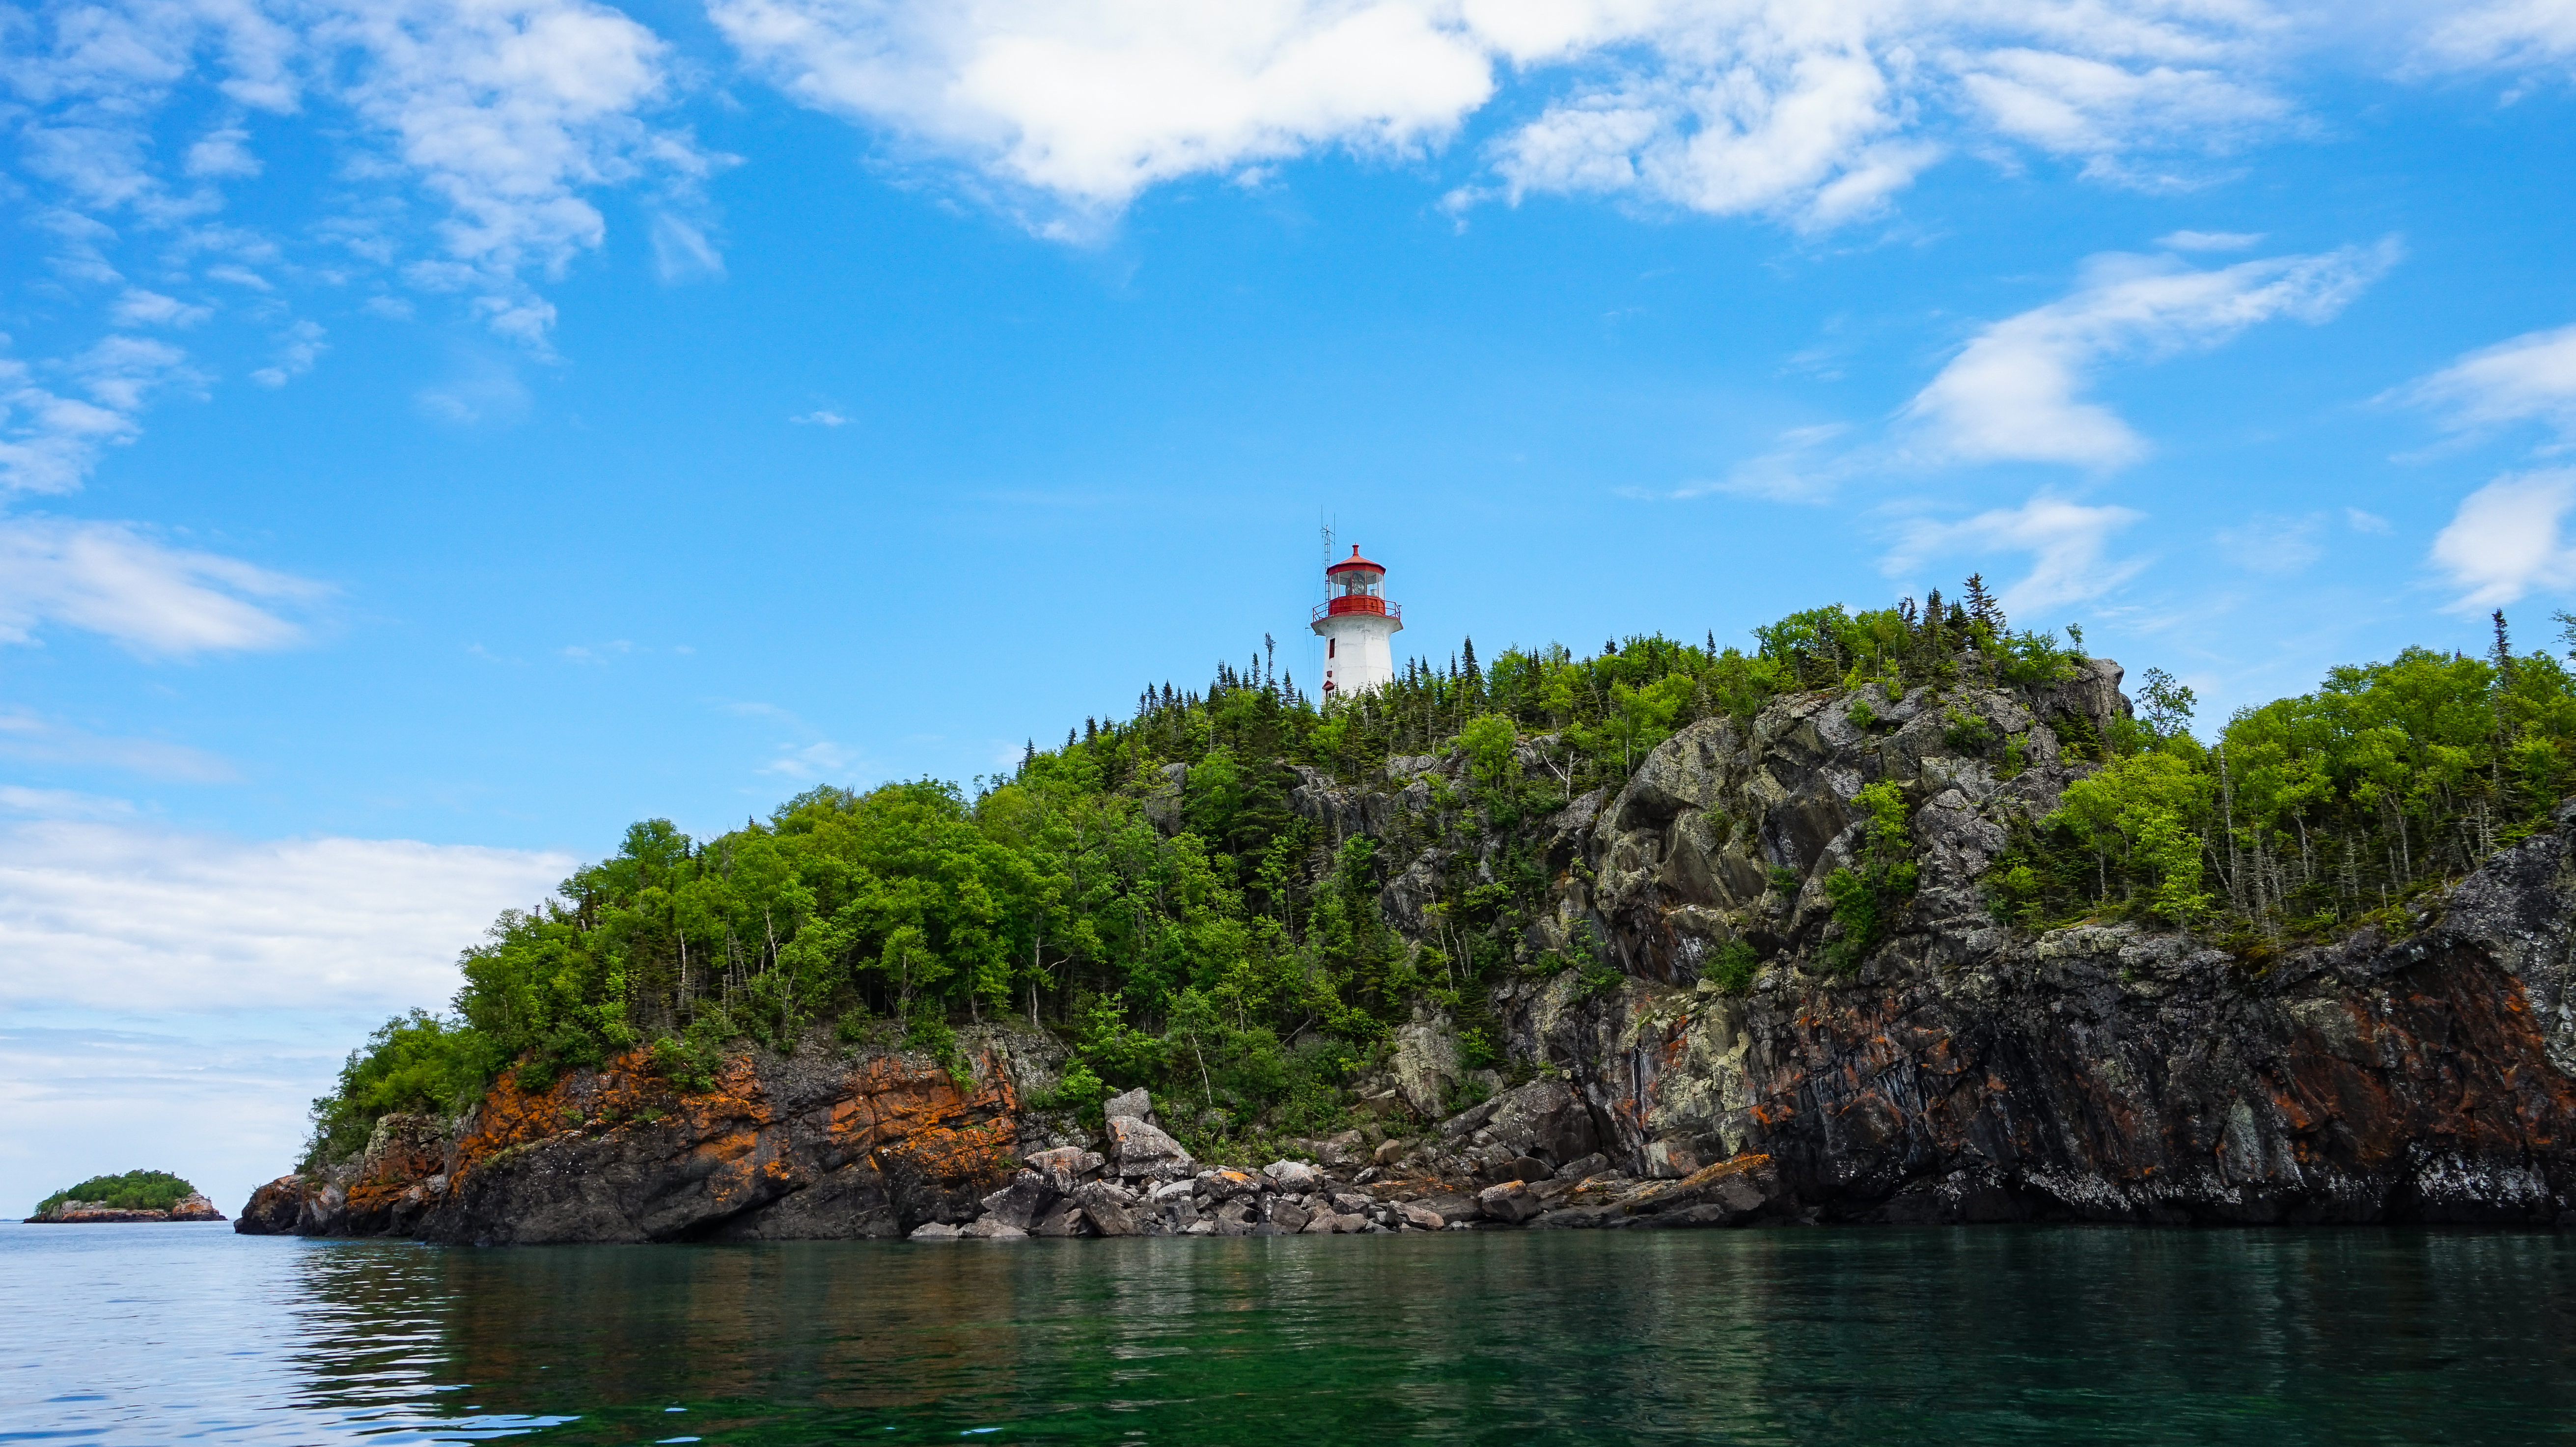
(1066, 1220)
(1510, 1203)
(273, 1209)
(1420, 1217)
(1111, 1209)
(1288, 1216)
(1141, 1149)
(1591, 1165)
(1134, 1102)
(1426, 1067)
(1227, 1183)
(1341, 1151)
(1023, 1202)
(935, 1231)
(1066, 1167)
(1450, 1207)
(1544, 1119)
(1350, 1202)
(1389, 1152)
(987, 1228)
(1292, 1176)
(194, 1208)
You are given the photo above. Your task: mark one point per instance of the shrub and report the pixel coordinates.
(1733, 969)
(133, 1191)
(1966, 733)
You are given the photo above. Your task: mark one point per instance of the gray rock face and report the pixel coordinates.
(1292, 1176)
(1023, 1202)
(1131, 1103)
(1425, 1066)
(1142, 1150)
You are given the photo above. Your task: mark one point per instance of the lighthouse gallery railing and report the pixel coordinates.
(1358, 603)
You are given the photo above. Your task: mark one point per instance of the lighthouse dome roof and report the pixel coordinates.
(1354, 564)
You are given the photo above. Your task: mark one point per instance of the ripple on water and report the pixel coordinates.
(152, 1334)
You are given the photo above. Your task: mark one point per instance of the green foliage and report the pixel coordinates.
(1966, 733)
(2309, 812)
(1229, 955)
(412, 1063)
(1866, 899)
(132, 1191)
(1733, 968)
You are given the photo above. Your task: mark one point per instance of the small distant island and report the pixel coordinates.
(134, 1196)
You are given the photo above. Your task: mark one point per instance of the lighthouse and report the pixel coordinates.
(1357, 623)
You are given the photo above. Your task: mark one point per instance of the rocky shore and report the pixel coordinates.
(91, 1213)
(1144, 1184)
(1963, 1070)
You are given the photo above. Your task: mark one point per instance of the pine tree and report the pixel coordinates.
(1982, 605)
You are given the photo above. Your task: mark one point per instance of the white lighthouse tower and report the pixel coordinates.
(1357, 623)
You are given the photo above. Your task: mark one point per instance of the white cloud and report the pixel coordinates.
(113, 917)
(2210, 240)
(1815, 110)
(49, 441)
(2507, 539)
(1796, 469)
(2269, 543)
(2075, 105)
(1093, 100)
(156, 600)
(32, 738)
(2502, 33)
(2529, 378)
(820, 417)
(2066, 541)
(507, 111)
(2367, 522)
(813, 762)
(140, 308)
(219, 1101)
(298, 348)
(2013, 392)
(61, 803)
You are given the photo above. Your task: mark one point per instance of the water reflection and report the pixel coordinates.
(2041, 1335)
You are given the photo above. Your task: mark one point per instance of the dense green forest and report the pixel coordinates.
(1237, 962)
(133, 1191)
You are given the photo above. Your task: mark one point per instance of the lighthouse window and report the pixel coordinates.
(1328, 646)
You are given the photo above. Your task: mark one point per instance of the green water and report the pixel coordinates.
(1806, 1336)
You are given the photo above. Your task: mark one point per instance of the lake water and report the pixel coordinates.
(161, 1334)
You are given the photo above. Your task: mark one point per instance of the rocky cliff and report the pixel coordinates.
(1952, 1068)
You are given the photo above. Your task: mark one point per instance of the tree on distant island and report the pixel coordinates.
(132, 1191)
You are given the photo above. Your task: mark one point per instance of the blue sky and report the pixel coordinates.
(437, 434)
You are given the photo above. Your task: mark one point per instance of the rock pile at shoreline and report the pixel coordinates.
(1494, 1167)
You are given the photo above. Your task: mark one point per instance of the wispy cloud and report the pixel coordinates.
(2270, 543)
(156, 600)
(105, 916)
(2210, 240)
(2508, 538)
(1800, 468)
(32, 738)
(2507, 34)
(820, 417)
(2530, 378)
(2067, 543)
(2014, 391)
